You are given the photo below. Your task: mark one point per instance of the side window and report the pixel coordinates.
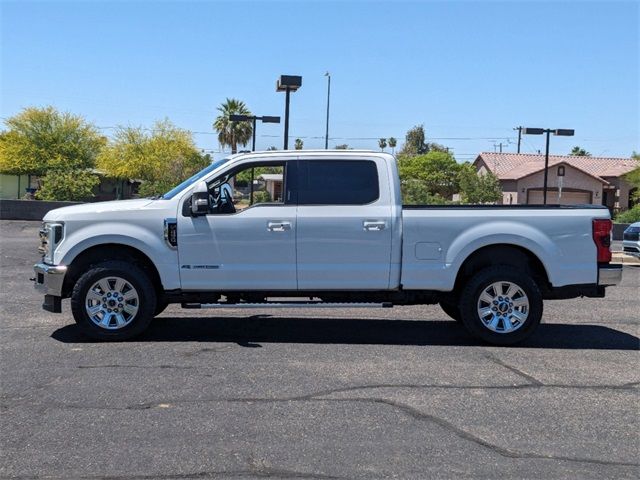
(337, 182)
(252, 185)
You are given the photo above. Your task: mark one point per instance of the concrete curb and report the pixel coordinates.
(623, 258)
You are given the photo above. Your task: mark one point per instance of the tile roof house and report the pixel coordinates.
(571, 179)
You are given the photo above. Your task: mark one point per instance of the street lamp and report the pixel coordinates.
(561, 132)
(253, 118)
(288, 84)
(326, 135)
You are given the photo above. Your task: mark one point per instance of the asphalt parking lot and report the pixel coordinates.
(402, 393)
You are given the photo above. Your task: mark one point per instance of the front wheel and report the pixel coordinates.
(501, 305)
(114, 300)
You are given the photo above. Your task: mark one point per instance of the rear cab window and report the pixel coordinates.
(337, 182)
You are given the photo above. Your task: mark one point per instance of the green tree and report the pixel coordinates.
(382, 143)
(579, 152)
(415, 142)
(162, 156)
(230, 134)
(344, 146)
(438, 172)
(416, 192)
(478, 188)
(392, 144)
(51, 144)
(436, 147)
(633, 177)
(299, 144)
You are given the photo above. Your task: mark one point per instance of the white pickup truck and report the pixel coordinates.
(317, 229)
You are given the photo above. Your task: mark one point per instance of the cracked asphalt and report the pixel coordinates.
(307, 394)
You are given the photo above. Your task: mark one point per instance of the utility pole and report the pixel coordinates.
(519, 136)
(326, 135)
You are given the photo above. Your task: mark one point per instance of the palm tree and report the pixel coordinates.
(392, 143)
(579, 152)
(230, 134)
(299, 144)
(382, 143)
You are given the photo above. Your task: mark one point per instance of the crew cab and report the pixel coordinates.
(315, 229)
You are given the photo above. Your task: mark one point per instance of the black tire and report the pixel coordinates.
(136, 277)
(452, 309)
(470, 298)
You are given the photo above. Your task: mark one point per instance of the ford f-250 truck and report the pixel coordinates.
(326, 228)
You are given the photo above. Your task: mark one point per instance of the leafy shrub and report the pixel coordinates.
(416, 192)
(261, 196)
(630, 216)
(67, 185)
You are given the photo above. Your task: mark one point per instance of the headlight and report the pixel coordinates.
(51, 234)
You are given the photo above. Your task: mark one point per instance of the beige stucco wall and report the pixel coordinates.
(622, 188)
(573, 178)
(509, 192)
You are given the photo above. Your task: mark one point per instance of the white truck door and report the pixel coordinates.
(252, 248)
(344, 224)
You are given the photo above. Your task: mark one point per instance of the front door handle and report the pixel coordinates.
(277, 226)
(374, 225)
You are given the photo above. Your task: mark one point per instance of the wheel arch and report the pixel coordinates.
(109, 251)
(503, 254)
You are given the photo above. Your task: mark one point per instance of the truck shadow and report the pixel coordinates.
(253, 330)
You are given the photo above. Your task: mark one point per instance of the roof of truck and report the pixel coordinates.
(310, 153)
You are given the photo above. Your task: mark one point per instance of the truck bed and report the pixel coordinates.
(438, 238)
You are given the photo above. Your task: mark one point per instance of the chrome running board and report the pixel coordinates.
(288, 305)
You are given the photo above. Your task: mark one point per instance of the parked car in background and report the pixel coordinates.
(631, 240)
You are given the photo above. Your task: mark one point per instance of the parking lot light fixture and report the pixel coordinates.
(253, 118)
(561, 132)
(287, 84)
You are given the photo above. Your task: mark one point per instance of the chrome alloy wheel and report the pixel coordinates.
(112, 303)
(503, 307)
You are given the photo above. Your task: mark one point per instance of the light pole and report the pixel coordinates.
(288, 84)
(561, 132)
(326, 135)
(253, 118)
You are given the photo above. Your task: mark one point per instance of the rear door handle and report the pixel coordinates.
(374, 225)
(276, 226)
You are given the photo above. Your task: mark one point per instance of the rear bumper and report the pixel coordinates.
(610, 274)
(49, 278)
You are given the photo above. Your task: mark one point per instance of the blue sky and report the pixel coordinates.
(468, 71)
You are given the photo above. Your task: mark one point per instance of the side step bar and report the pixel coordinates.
(288, 305)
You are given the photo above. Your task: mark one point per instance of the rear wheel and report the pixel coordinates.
(501, 305)
(114, 300)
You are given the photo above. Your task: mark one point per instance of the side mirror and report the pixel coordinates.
(200, 200)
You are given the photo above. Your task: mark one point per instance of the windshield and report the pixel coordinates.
(189, 181)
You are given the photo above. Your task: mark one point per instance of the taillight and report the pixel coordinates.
(602, 239)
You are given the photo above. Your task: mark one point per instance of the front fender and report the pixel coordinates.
(149, 242)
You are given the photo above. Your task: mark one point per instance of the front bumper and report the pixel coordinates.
(631, 248)
(49, 278)
(610, 274)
